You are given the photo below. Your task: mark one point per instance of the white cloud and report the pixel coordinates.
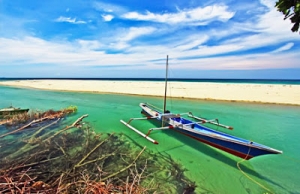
(108, 7)
(197, 15)
(286, 47)
(256, 61)
(192, 42)
(107, 17)
(32, 50)
(268, 29)
(89, 45)
(119, 45)
(69, 20)
(122, 37)
(135, 32)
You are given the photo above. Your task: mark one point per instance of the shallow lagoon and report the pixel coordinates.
(212, 170)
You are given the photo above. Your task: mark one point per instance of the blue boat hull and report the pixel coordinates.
(236, 146)
(242, 151)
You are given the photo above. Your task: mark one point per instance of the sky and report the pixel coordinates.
(131, 39)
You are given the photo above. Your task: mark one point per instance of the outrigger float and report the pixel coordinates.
(196, 129)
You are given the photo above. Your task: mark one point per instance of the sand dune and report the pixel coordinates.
(263, 93)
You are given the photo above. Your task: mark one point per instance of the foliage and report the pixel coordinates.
(291, 10)
(71, 109)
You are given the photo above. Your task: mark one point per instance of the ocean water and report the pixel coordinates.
(252, 81)
(213, 171)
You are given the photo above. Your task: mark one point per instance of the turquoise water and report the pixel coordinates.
(213, 171)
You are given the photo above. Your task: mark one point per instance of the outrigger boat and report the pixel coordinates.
(239, 147)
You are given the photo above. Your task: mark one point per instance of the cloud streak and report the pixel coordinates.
(199, 15)
(134, 32)
(286, 47)
(69, 20)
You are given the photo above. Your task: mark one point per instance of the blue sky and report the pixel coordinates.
(117, 38)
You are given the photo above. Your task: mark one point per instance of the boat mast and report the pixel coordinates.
(166, 80)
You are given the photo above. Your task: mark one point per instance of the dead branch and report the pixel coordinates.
(91, 161)
(62, 149)
(24, 127)
(81, 161)
(85, 157)
(29, 147)
(123, 169)
(34, 163)
(3, 122)
(67, 127)
(41, 129)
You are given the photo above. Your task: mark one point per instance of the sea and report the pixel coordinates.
(212, 170)
(252, 81)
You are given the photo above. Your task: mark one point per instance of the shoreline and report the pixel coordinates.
(284, 94)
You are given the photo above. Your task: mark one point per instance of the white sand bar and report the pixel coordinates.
(263, 93)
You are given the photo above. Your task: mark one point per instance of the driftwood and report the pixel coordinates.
(123, 169)
(29, 146)
(86, 156)
(36, 117)
(3, 122)
(41, 129)
(68, 127)
(54, 116)
(35, 163)
(24, 127)
(82, 161)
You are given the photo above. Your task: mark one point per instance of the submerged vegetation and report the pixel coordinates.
(41, 152)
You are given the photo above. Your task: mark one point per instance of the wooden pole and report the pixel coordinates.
(166, 81)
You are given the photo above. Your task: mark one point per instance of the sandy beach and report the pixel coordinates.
(262, 93)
